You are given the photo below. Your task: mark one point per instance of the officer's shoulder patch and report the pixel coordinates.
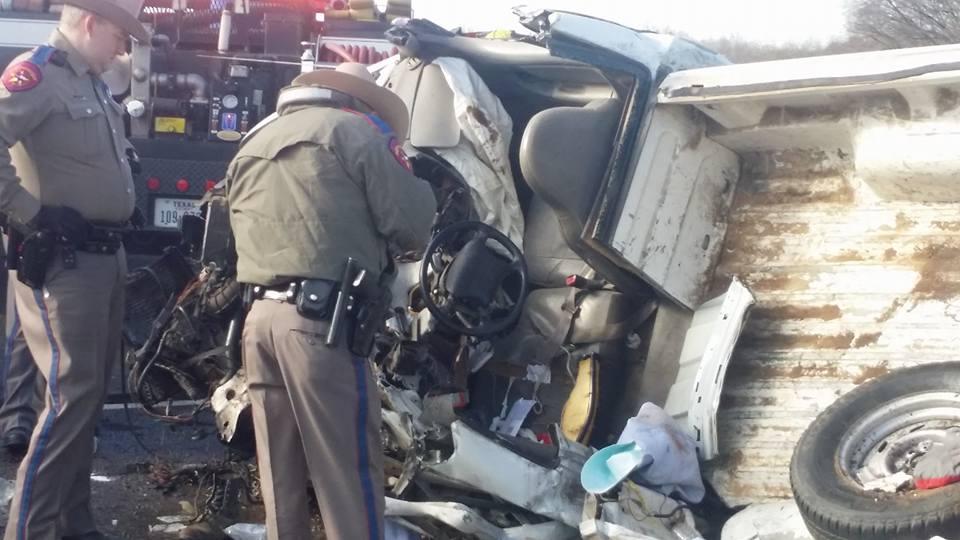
(21, 76)
(397, 150)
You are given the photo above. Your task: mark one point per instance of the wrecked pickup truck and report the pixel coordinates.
(612, 200)
(519, 341)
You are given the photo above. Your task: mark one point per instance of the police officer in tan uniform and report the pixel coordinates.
(64, 175)
(322, 183)
(22, 384)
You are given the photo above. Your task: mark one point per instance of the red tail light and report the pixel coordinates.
(153, 183)
(183, 185)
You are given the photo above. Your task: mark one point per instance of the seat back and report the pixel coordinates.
(564, 154)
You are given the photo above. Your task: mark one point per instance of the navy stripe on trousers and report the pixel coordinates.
(363, 451)
(37, 456)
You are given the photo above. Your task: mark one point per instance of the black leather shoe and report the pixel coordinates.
(16, 441)
(95, 535)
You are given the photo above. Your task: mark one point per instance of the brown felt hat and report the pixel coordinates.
(357, 82)
(122, 13)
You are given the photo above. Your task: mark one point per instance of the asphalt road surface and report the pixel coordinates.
(127, 499)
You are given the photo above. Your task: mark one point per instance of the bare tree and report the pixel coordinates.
(905, 23)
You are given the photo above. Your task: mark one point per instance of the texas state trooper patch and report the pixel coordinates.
(21, 77)
(397, 150)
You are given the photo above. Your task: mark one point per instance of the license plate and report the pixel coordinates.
(167, 212)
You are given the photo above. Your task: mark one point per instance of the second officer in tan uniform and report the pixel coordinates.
(66, 175)
(320, 184)
(22, 384)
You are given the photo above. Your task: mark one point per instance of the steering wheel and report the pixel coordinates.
(473, 279)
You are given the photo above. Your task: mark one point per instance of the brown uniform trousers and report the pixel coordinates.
(316, 409)
(23, 386)
(73, 327)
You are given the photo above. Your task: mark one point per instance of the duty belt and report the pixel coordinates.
(280, 293)
(284, 292)
(106, 241)
(353, 305)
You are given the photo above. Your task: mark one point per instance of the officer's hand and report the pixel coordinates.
(65, 222)
(137, 220)
(134, 160)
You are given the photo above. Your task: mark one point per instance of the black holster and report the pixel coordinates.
(370, 314)
(14, 239)
(33, 257)
(371, 311)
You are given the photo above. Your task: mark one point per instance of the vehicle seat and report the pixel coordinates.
(564, 155)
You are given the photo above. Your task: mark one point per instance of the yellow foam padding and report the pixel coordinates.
(361, 4)
(580, 410)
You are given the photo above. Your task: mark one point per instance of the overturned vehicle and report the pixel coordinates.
(567, 283)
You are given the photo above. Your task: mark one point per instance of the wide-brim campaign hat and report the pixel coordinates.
(357, 82)
(122, 13)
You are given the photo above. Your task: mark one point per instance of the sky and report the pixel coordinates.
(762, 21)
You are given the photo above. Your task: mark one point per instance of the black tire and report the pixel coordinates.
(224, 296)
(834, 506)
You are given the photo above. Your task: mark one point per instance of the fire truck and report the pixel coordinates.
(213, 69)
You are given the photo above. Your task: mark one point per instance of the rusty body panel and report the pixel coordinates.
(848, 287)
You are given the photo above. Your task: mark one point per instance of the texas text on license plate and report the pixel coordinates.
(167, 212)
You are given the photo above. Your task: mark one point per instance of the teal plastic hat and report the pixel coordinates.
(612, 465)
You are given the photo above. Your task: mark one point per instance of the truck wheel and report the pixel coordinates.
(875, 431)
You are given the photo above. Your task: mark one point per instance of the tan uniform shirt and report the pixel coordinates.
(319, 185)
(67, 143)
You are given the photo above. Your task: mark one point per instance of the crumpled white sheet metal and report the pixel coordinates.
(483, 464)
(229, 400)
(468, 521)
(487, 130)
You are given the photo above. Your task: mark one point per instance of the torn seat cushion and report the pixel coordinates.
(580, 409)
(940, 466)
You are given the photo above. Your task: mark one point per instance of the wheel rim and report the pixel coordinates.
(891, 438)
